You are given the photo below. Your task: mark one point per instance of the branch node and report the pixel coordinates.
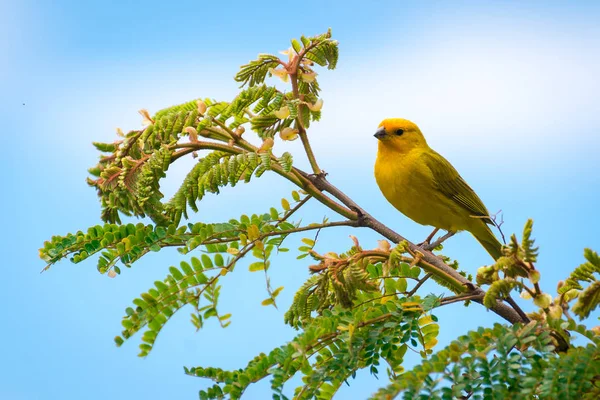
(362, 218)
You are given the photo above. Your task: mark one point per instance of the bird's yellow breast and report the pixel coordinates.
(408, 184)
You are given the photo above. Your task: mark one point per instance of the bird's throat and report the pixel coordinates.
(390, 150)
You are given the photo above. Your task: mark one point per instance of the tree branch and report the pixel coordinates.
(433, 263)
(301, 129)
(187, 148)
(317, 184)
(294, 177)
(518, 309)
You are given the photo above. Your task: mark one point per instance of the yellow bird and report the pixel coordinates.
(425, 187)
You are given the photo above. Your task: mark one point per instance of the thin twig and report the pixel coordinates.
(308, 185)
(499, 225)
(463, 297)
(190, 147)
(301, 129)
(419, 284)
(439, 241)
(378, 298)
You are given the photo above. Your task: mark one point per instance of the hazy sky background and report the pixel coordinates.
(507, 91)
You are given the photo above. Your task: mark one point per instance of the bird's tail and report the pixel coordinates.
(489, 241)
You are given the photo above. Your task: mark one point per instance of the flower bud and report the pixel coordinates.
(266, 145)
(355, 241)
(308, 76)
(112, 273)
(596, 330)
(534, 276)
(288, 133)
(120, 132)
(383, 245)
(289, 52)
(282, 113)
(192, 133)
(486, 275)
(542, 300)
(317, 268)
(280, 73)
(201, 107)
(571, 294)
(147, 120)
(555, 312)
(317, 106)
(525, 295)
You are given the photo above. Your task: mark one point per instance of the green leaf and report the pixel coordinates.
(176, 273)
(225, 317)
(274, 214)
(497, 290)
(415, 272)
(401, 285)
(308, 242)
(154, 247)
(390, 286)
(296, 46)
(257, 266)
(268, 302)
(186, 268)
(588, 300)
(196, 264)
(207, 262)
(276, 292)
(254, 72)
(161, 232)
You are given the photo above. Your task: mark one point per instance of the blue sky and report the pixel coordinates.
(507, 91)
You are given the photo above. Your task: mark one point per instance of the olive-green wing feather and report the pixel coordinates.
(453, 186)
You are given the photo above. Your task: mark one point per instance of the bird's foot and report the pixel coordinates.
(427, 241)
(430, 246)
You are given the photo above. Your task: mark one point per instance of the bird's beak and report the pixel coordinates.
(380, 133)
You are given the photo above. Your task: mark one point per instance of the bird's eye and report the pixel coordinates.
(399, 132)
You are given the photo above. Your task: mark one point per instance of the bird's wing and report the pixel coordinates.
(453, 186)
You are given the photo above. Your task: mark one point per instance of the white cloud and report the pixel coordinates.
(508, 98)
(524, 92)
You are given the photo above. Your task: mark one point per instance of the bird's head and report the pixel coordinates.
(400, 135)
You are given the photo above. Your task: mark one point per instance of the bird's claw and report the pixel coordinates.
(427, 241)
